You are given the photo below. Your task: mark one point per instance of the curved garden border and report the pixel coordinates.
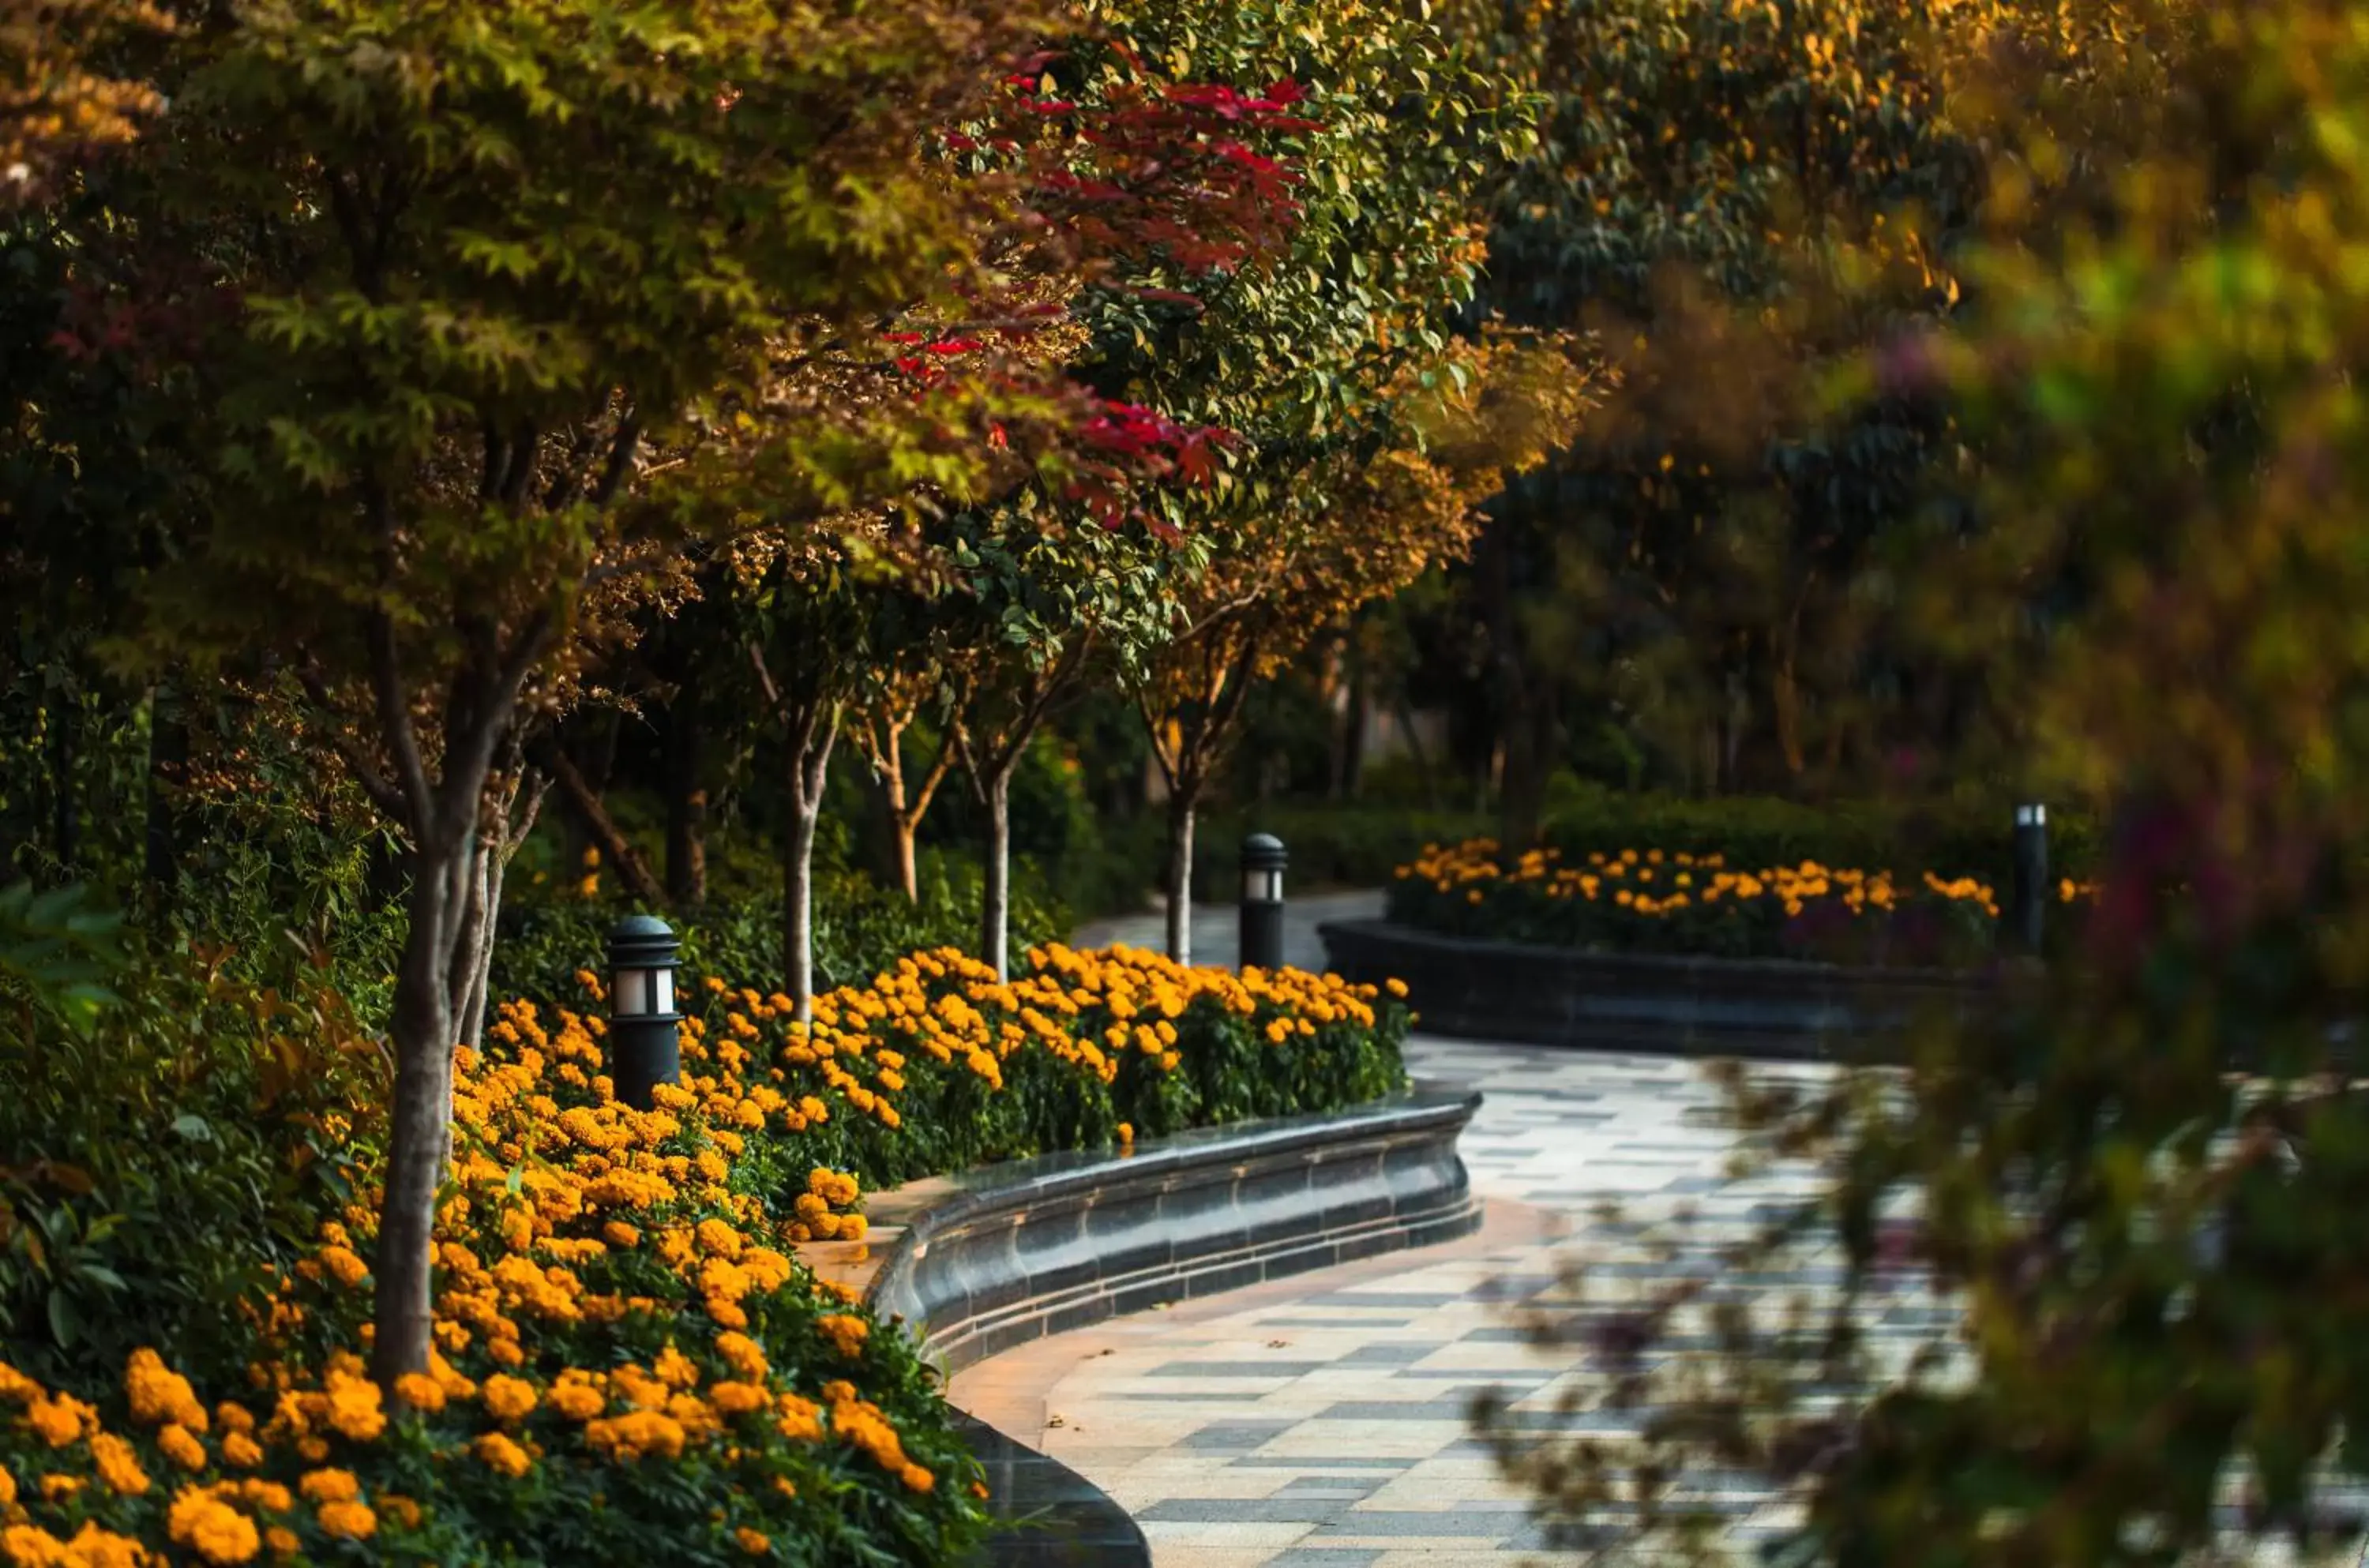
(1769, 1009)
(984, 1260)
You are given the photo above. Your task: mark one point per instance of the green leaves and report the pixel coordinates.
(59, 949)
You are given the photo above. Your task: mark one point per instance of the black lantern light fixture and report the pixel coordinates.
(1262, 929)
(2028, 896)
(645, 1049)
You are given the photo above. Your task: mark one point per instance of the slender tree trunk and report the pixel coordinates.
(1404, 711)
(686, 849)
(809, 769)
(517, 821)
(1351, 772)
(995, 901)
(1179, 882)
(422, 1037)
(470, 939)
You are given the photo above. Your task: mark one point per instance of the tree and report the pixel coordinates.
(1354, 529)
(2146, 1183)
(58, 101)
(1293, 352)
(469, 360)
(1706, 171)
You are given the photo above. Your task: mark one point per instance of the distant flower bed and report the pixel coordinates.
(1651, 902)
(630, 1361)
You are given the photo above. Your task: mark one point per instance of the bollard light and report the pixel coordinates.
(645, 1048)
(2028, 893)
(1261, 929)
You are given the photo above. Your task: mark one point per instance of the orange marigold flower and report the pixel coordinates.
(497, 1452)
(348, 1521)
(508, 1399)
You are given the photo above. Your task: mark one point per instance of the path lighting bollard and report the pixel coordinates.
(643, 1048)
(2028, 896)
(1262, 936)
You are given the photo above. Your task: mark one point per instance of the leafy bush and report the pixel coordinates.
(1758, 830)
(861, 929)
(1680, 902)
(158, 1169)
(630, 1361)
(626, 1366)
(945, 1069)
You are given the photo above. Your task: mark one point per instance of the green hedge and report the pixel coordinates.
(1951, 842)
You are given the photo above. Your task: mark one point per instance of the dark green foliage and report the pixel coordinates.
(157, 1168)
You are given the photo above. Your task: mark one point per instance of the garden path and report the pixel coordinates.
(1320, 1422)
(1217, 928)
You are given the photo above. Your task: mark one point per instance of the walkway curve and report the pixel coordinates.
(1320, 1422)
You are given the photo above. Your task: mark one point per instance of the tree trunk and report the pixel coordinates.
(1178, 884)
(1351, 774)
(995, 901)
(686, 848)
(810, 744)
(422, 1037)
(593, 816)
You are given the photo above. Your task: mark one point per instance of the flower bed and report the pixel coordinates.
(1686, 904)
(628, 1361)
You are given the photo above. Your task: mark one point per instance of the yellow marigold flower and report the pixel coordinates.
(346, 1264)
(743, 1354)
(210, 1527)
(179, 1445)
(160, 1394)
(119, 1467)
(1126, 1132)
(735, 1398)
(578, 1401)
(497, 1452)
(283, 1541)
(420, 1391)
(675, 1370)
(799, 1420)
(58, 1487)
(53, 1421)
(354, 1407)
(402, 1510)
(916, 1479)
(347, 1521)
(507, 1398)
(330, 1487)
(753, 1542)
(846, 1334)
(506, 1351)
(267, 1495)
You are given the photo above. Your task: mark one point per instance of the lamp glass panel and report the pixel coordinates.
(1261, 885)
(662, 982)
(632, 993)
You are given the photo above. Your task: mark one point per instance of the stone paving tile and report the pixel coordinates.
(1321, 1422)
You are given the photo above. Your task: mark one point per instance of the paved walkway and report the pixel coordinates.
(1217, 928)
(1321, 1422)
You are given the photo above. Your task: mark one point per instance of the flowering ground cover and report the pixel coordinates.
(1655, 901)
(629, 1358)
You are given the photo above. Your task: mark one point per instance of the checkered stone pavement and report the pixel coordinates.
(1321, 1422)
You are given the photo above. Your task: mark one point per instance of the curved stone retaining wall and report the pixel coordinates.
(1538, 995)
(988, 1259)
(1010, 1253)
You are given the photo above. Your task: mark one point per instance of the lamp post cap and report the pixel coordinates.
(644, 939)
(1262, 848)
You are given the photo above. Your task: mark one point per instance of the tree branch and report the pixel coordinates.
(620, 460)
(383, 794)
(619, 849)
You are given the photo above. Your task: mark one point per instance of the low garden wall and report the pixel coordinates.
(988, 1259)
(1013, 1253)
(1771, 1009)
